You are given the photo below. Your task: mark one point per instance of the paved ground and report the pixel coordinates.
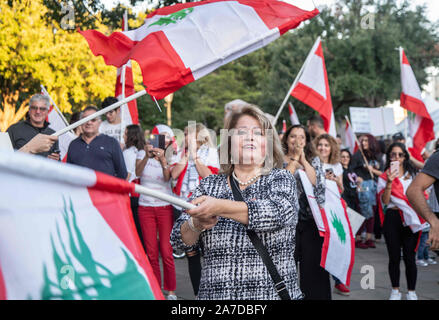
(427, 287)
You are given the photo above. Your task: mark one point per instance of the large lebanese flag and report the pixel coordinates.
(312, 87)
(398, 197)
(184, 42)
(411, 99)
(57, 123)
(129, 113)
(350, 140)
(73, 237)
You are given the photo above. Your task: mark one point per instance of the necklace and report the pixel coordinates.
(248, 182)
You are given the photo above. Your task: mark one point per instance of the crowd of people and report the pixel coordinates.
(252, 234)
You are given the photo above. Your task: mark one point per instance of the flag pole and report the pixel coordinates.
(162, 196)
(359, 146)
(54, 105)
(100, 112)
(284, 102)
(123, 76)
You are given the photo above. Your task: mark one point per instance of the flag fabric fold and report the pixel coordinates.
(293, 115)
(73, 238)
(398, 197)
(312, 87)
(184, 42)
(56, 122)
(350, 140)
(422, 126)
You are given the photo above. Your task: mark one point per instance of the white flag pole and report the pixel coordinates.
(54, 105)
(162, 196)
(100, 112)
(124, 68)
(296, 80)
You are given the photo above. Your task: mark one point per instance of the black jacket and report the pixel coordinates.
(23, 131)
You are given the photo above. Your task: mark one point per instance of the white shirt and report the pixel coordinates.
(152, 178)
(112, 130)
(130, 156)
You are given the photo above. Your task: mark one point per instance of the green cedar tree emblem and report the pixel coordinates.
(93, 280)
(338, 226)
(173, 17)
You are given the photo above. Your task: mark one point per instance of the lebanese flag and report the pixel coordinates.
(293, 114)
(56, 123)
(312, 87)
(129, 113)
(411, 99)
(284, 126)
(184, 42)
(350, 140)
(72, 238)
(398, 197)
(338, 250)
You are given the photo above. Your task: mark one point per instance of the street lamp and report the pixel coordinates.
(168, 101)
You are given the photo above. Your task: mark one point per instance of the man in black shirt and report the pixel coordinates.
(96, 151)
(415, 193)
(35, 123)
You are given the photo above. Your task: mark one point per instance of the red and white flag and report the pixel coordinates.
(284, 126)
(73, 237)
(411, 99)
(312, 87)
(184, 42)
(293, 114)
(129, 113)
(57, 122)
(350, 140)
(338, 250)
(398, 197)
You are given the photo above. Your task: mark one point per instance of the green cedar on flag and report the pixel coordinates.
(67, 232)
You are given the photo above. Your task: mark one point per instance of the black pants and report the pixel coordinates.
(194, 262)
(134, 206)
(314, 280)
(397, 236)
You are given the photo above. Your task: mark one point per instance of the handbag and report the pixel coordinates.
(279, 283)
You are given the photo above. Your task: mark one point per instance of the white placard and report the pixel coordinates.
(376, 121)
(355, 219)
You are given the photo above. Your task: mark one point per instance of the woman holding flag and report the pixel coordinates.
(397, 217)
(301, 154)
(253, 196)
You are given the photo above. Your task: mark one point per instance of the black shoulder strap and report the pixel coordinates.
(279, 283)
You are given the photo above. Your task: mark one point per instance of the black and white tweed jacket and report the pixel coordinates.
(231, 267)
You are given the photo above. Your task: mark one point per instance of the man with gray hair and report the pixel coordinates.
(35, 123)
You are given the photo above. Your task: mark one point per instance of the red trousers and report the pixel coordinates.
(161, 220)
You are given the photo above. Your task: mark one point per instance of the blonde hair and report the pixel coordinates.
(255, 112)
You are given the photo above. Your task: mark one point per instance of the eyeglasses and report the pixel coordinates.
(397, 154)
(35, 108)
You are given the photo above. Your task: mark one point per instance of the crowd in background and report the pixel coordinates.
(365, 180)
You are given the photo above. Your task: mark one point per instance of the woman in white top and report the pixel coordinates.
(392, 186)
(197, 160)
(329, 152)
(155, 215)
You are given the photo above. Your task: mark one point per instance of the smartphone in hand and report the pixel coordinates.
(158, 141)
(394, 167)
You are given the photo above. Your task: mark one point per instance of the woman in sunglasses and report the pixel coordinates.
(398, 218)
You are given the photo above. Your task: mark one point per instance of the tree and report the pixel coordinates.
(362, 63)
(35, 53)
